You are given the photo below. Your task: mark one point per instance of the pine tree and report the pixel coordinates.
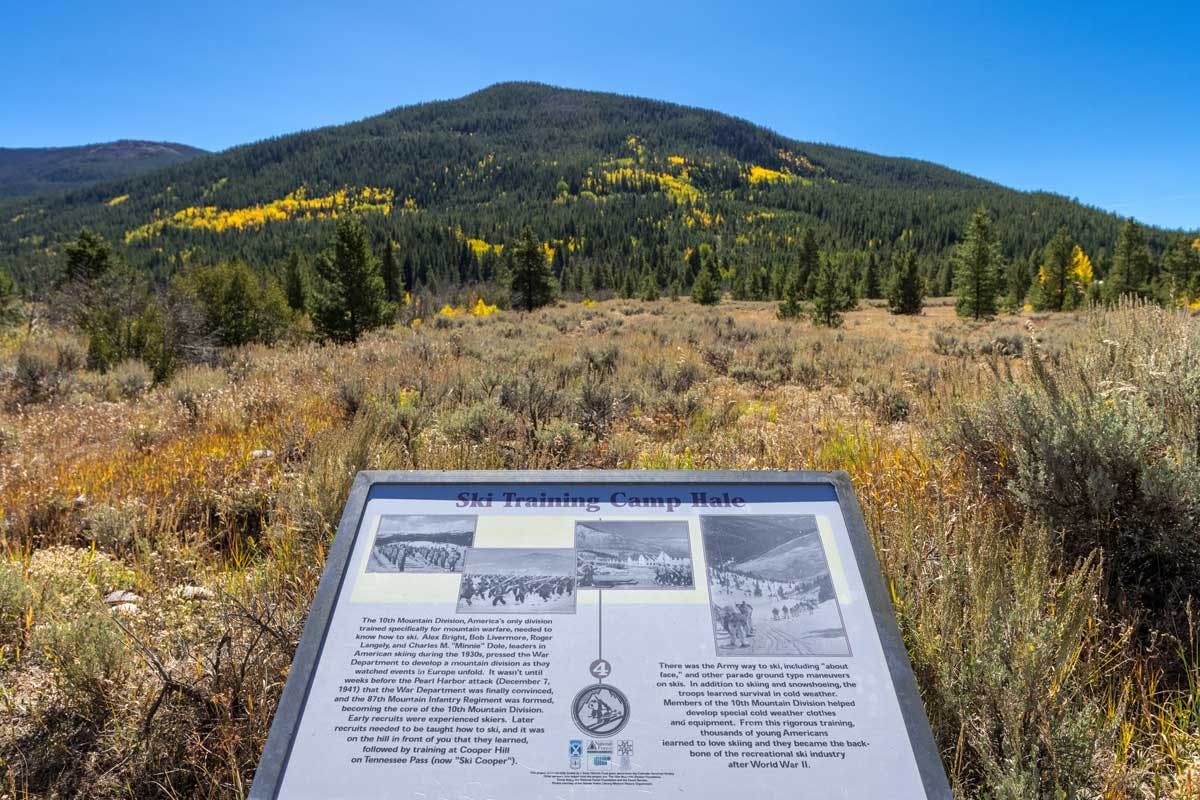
(1181, 268)
(809, 262)
(1130, 271)
(627, 287)
(1052, 286)
(393, 281)
(906, 292)
(1016, 284)
(871, 287)
(295, 281)
(649, 289)
(705, 290)
(532, 283)
(348, 299)
(10, 304)
(830, 298)
(977, 265)
(791, 306)
(87, 258)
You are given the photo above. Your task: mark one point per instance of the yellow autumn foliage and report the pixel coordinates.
(450, 311)
(1081, 268)
(763, 175)
(676, 160)
(678, 188)
(482, 309)
(116, 201)
(297, 205)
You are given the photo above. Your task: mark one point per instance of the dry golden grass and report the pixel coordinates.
(231, 480)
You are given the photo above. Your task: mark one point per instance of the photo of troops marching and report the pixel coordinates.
(502, 590)
(517, 580)
(421, 543)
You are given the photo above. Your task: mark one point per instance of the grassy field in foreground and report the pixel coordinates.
(1031, 485)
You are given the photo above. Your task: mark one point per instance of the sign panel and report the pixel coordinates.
(601, 635)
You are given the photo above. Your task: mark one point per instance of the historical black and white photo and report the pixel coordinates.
(770, 587)
(518, 580)
(633, 554)
(421, 543)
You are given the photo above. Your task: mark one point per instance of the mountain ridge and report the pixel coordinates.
(33, 170)
(615, 182)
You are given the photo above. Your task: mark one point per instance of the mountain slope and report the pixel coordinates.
(31, 170)
(611, 184)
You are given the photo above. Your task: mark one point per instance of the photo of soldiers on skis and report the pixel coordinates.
(421, 543)
(517, 581)
(770, 587)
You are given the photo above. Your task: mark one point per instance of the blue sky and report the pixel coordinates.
(1098, 101)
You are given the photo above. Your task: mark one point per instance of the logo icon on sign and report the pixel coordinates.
(625, 751)
(575, 753)
(600, 710)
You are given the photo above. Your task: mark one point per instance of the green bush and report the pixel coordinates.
(1102, 447)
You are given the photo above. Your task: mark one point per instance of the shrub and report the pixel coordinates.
(1093, 447)
(889, 403)
(194, 386)
(997, 641)
(88, 656)
(36, 378)
(16, 599)
(131, 378)
(479, 423)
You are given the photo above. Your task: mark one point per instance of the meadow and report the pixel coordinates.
(1031, 483)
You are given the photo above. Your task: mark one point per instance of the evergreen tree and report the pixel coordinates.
(809, 262)
(871, 286)
(977, 264)
(693, 263)
(830, 298)
(393, 281)
(705, 290)
(1016, 284)
(348, 299)
(791, 306)
(10, 303)
(1052, 287)
(532, 283)
(627, 287)
(87, 258)
(295, 281)
(675, 289)
(1181, 270)
(1130, 273)
(906, 292)
(649, 288)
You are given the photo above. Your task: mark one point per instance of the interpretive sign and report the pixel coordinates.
(525, 635)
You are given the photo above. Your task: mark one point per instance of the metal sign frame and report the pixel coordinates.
(273, 763)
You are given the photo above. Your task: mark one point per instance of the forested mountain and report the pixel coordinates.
(32, 170)
(612, 185)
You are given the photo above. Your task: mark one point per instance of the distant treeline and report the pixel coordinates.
(615, 188)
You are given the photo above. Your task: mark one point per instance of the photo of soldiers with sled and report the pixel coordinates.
(517, 581)
(633, 554)
(770, 587)
(421, 543)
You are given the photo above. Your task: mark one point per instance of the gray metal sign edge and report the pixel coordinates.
(269, 775)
